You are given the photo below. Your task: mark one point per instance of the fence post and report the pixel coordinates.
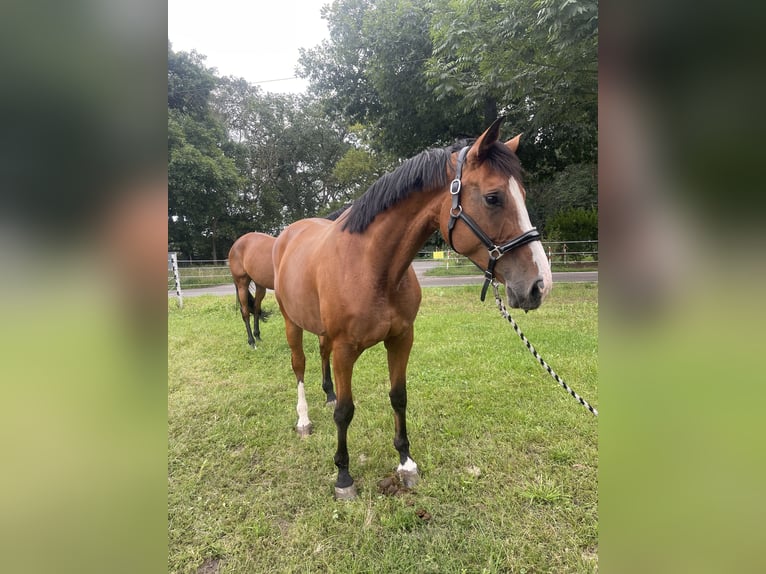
(174, 263)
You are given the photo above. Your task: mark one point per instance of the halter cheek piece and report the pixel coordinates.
(495, 251)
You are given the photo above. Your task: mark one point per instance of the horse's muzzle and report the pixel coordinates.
(526, 298)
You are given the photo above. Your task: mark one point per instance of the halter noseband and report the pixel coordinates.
(495, 251)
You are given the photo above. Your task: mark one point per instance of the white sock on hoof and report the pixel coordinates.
(408, 473)
(302, 408)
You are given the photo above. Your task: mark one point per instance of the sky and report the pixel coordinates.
(253, 39)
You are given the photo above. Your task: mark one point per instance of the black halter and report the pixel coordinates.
(495, 251)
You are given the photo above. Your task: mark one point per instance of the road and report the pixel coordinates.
(425, 281)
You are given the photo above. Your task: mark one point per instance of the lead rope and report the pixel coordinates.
(536, 355)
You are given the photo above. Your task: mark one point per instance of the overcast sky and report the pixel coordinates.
(253, 39)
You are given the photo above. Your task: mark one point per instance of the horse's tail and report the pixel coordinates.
(264, 316)
(250, 302)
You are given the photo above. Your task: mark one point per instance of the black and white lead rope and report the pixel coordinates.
(536, 355)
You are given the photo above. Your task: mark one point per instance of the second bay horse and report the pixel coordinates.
(351, 282)
(250, 260)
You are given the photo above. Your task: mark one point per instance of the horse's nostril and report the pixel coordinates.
(537, 289)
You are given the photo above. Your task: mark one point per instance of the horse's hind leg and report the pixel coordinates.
(245, 305)
(324, 349)
(398, 354)
(260, 293)
(304, 427)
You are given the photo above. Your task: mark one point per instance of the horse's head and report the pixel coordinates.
(485, 218)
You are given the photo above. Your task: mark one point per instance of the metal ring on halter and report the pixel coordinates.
(459, 211)
(495, 252)
(455, 186)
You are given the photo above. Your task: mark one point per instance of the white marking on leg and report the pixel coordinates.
(408, 466)
(303, 407)
(408, 473)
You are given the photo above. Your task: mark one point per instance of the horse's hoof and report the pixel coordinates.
(408, 478)
(305, 430)
(330, 404)
(346, 493)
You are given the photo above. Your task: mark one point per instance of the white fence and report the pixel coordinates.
(563, 255)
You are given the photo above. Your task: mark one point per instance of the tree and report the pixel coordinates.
(287, 148)
(575, 186)
(372, 72)
(202, 179)
(419, 74)
(536, 58)
(396, 77)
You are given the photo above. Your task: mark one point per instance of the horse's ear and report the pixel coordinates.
(481, 146)
(513, 144)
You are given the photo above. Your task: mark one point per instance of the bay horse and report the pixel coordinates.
(250, 260)
(351, 282)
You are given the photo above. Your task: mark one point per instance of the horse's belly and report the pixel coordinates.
(299, 300)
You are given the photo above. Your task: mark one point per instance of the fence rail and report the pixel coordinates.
(563, 255)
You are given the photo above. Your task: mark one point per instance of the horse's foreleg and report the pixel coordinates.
(298, 358)
(260, 293)
(343, 363)
(325, 348)
(398, 354)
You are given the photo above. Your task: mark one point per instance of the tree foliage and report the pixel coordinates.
(242, 160)
(373, 72)
(287, 149)
(395, 77)
(536, 58)
(202, 179)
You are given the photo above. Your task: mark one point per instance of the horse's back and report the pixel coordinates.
(303, 236)
(258, 260)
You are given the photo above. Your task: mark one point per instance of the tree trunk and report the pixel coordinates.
(490, 110)
(213, 234)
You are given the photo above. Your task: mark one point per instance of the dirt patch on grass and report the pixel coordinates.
(209, 566)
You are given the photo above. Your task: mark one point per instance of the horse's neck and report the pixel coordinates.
(398, 234)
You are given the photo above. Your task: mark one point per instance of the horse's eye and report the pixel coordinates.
(492, 200)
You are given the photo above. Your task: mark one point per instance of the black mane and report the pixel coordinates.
(430, 168)
(333, 215)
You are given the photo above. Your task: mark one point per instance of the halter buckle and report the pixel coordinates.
(495, 252)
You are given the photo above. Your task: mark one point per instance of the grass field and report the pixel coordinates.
(508, 460)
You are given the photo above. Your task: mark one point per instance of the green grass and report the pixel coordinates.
(508, 460)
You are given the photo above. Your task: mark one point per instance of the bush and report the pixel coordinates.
(575, 224)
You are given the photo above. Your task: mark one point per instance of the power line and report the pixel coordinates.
(276, 80)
